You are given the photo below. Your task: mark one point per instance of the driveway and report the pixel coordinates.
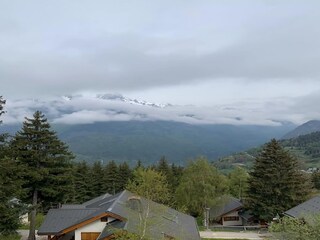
(233, 235)
(24, 235)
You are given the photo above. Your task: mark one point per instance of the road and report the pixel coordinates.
(233, 235)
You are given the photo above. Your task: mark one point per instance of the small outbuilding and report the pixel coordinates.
(227, 212)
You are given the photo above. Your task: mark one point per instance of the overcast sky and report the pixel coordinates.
(249, 54)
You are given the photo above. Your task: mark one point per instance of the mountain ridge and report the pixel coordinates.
(306, 128)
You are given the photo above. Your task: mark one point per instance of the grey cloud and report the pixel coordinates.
(82, 109)
(104, 52)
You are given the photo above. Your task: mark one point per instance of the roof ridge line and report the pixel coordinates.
(115, 201)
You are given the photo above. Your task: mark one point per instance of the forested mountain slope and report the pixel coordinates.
(149, 140)
(306, 128)
(306, 148)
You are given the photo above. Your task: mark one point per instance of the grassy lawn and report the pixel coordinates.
(10, 237)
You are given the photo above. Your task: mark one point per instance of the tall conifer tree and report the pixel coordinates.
(9, 186)
(276, 184)
(111, 178)
(82, 182)
(46, 162)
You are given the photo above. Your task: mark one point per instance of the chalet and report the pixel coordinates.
(227, 212)
(310, 207)
(102, 217)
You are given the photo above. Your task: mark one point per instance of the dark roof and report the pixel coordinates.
(59, 219)
(129, 206)
(164, 220)
(312, 206)
(226, 205)
(110, 229)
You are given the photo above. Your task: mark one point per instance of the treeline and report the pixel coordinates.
(309, 143)
(89, 181)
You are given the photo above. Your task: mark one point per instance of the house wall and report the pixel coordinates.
(96, 226)
(24, 219)
(232, 223)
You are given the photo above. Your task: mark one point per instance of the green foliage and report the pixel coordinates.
(10, 186)
(238, 182)
(124, 235)
(10, 237)
(316, 180)
(200, 186)
(149, 184)
(111, 178)
(287, 228)
(46, 164)
(306, 148)
(275, 184)
(82, 181)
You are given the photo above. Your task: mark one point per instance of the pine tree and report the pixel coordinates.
(111, 178)
(125, 174)
(82, 182)
(10, 186)
(97, 183)
(46, 162)
(276, 184)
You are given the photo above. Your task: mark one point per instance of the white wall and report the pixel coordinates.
(232, 223)
(96, 226)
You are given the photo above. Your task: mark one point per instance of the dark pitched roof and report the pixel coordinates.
(312, 206)
(163, 220)
(59, 219)
(129, 206)
(110, 229)
(227, 204)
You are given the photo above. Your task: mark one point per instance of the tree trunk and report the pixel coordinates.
(32, 230)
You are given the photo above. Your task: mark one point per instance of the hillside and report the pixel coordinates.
(306, 148)
(149, 140)
(306, 128)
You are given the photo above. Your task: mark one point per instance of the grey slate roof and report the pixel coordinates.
(161, 219)
(226, 205)
(312, 206)
(59, 219)
(110, 229)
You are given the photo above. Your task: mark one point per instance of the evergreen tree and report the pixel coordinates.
(97, 183)
(124, 175)
(276, 184)
(9, 186)
(82, 182)
(111, 178)
(2, 103)
(46, 162)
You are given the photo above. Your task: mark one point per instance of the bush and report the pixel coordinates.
(10, 237)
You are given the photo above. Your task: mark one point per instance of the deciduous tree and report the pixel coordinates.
(150, 184)
(238, 182)
(200, 186)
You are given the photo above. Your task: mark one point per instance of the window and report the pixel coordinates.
(104, 219)
(234, 218)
